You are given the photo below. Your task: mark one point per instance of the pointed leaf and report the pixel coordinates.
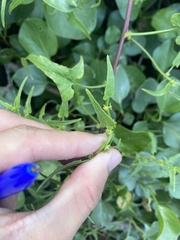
(62, 76)
(28, 109)
(16, 3)
(104, 119)
(175, 20)
(169, 225)
(160, 92)
(178, 40)
(17, 100)
(63, 5)
(35, 36)
(176, 62)
(110, 82)
(75, 21)
(3, 9)
(132, 141)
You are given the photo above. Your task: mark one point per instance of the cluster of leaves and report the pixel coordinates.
(56, 68)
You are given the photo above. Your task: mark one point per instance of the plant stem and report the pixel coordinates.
(152, 60)
(129, 34)
(125, 29)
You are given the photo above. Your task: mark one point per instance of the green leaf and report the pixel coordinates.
(175, 20)
(63, 110)
(35, 78)
(178, 40)
(96, 4)
(3, 9)
(122, 6)
(169, 225)
(66, 29)
(28, 109)
(131, 49)
(175, 96)
(112, 35)
(6, 105)
(162, 21)
(75, 21)
(6, 55)
(171, 131)
(16, 3)
(135, 75)
(42, 111)
(37, 38)
(20, 200)
(17, 100)
(7, 96)
(132, 141)
(152, 232)
(176, 62)
(174, 188)
(137, 104)
(110, 82)
(62, 76)
(103, 214)
(164, 49)
(104, 119)
(167, 103)
(47, 167)
(63, 5)
(122, 86)
(160, 92)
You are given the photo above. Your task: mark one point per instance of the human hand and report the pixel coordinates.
(23, 140)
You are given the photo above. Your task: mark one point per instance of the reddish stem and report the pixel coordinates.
(125, 29)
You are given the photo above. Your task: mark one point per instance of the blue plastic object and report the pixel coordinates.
(18, 178)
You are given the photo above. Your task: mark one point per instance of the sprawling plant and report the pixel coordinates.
(102, 66)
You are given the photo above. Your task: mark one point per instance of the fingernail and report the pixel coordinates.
(114, 160)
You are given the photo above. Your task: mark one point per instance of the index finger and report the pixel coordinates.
(27, 144)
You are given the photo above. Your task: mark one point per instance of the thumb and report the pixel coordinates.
(79, 195)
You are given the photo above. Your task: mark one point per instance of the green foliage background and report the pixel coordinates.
(56, 67)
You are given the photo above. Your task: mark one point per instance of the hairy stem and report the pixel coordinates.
(125, 29)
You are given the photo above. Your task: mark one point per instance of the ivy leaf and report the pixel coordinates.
(160, 92)
(132, 141)
(164, 49)
(138, 105)
(63, 5)
(167, 102)
(62, 76)
(122, 85)
(174, 187)
(16, 3)
(103, 214)
(28, 109)
(122, 6)
(35, 78)
(171, 131)
(162, 21)
(178, 40)
(78, 26)
(104, 119)
(17, 100)
(75, 21)
(110, 83)
(175, 20)
(37, 38)
(176, 62)
(169, 225)
(3, 9)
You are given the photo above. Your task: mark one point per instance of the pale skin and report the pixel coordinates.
(23, 140)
